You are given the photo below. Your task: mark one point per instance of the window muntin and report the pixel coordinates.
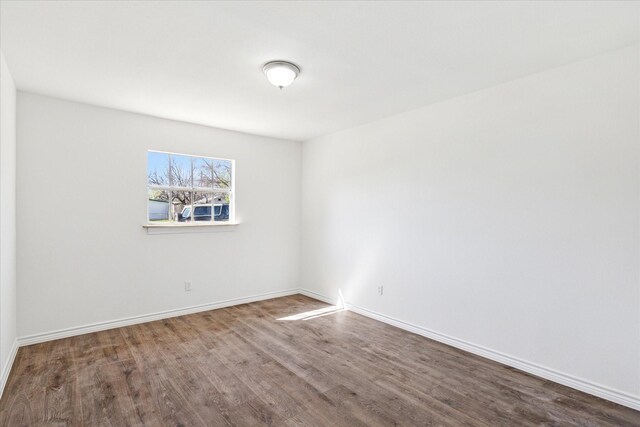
(187, 189)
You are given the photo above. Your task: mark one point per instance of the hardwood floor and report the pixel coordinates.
(245, 366)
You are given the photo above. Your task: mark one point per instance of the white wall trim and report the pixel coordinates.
(317, 296)
(580, 384)
(589, 387)
(6, 369)
(133, 320)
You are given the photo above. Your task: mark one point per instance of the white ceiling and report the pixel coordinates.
(201, 62)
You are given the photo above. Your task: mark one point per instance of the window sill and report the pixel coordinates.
(189, 228)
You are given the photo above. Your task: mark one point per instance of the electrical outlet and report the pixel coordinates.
(380, 290)
(187, 286)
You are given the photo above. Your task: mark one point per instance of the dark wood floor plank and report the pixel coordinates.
(174, 407)
(324, 413)
(20, 411)
(196, 389)
(62, 402)
(247, 365)
(270, 392)
(371, 411)
(254, 412)
(232, 390)
(49, 395)
(291, 353)
(99, 347)
(114, 394)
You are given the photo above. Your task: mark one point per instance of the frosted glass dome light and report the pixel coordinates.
(281, 73)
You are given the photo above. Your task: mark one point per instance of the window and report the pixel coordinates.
(189, 189)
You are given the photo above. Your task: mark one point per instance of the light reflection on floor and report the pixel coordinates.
(308, 315)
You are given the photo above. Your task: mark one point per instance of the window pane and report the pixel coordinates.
(202, 172)
(157, 168)
(158, 206)
(180, 171)
(194, 188)
(202, 206)
(222, 173)
(181, 206)
(221, 206)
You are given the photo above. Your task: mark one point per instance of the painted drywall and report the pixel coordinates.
(7, 219)
(506, 218)
(83, 256)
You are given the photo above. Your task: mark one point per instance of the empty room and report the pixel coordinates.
(319, 213)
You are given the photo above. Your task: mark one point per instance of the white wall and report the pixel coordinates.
(506, 218)
(7, 219)
(83, 256)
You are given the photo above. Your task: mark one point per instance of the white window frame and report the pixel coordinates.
(192, 189)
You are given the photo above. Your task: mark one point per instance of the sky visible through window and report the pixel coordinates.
(158, 164)
(164, 169)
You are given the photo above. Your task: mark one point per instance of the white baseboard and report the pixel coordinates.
(589, 387)
(317, 296)
(119, 323)
(6, 369)
(532, 368)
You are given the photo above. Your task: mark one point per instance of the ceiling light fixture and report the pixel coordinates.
(281, 73)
